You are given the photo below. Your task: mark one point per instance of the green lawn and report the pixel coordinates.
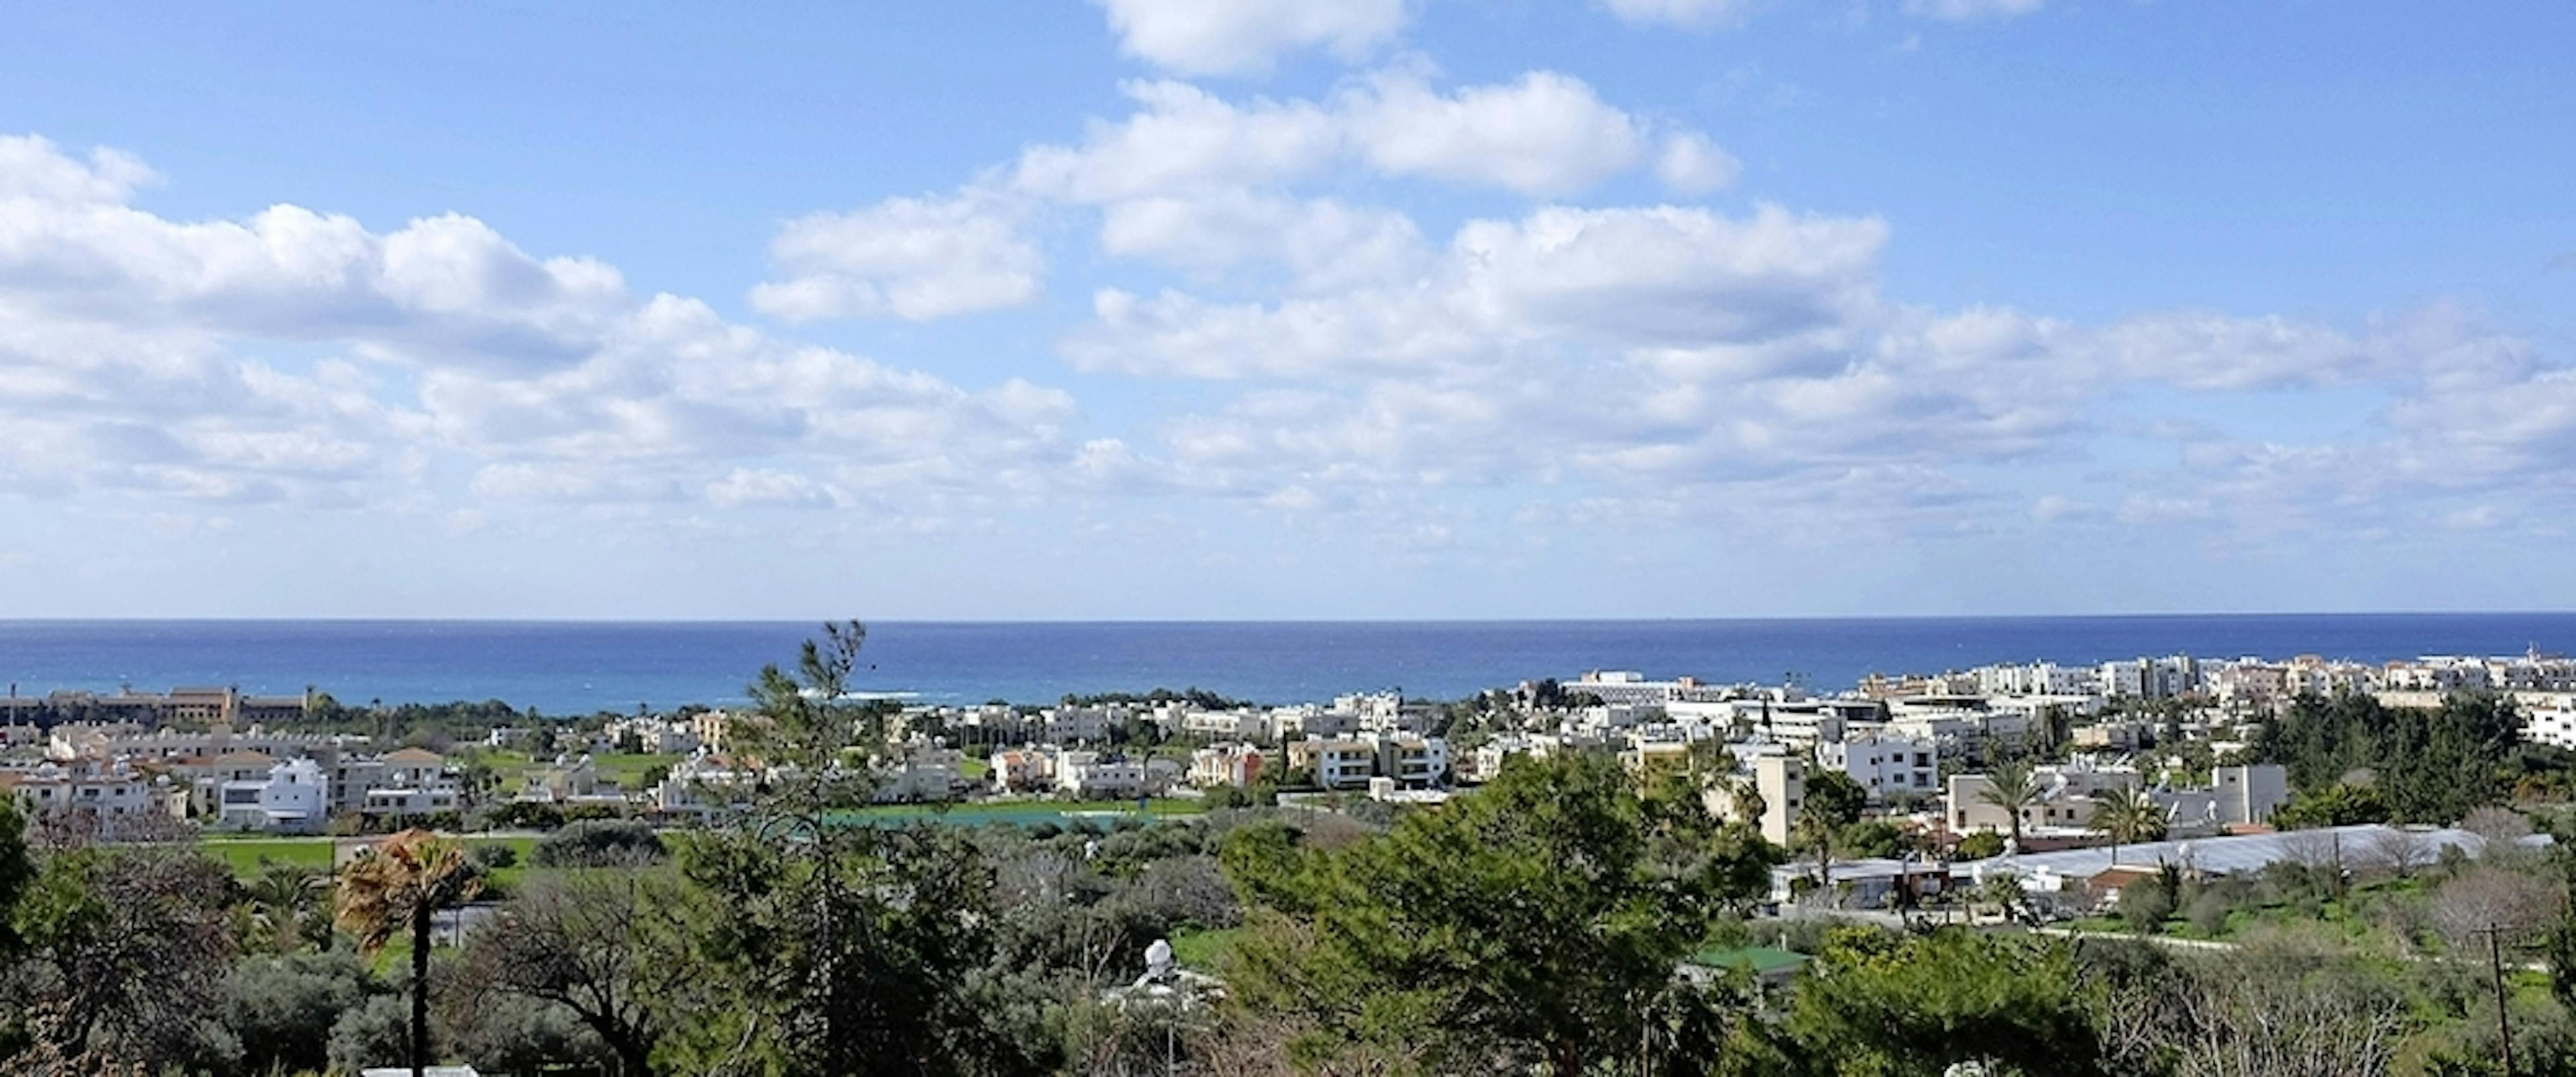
(245, 854)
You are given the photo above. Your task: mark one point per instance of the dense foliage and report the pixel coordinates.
(2427, 765)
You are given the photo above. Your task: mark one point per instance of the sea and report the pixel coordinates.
(581, 667)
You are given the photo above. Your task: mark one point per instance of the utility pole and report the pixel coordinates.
(2495, 966)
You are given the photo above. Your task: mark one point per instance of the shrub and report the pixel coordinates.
(599, 843)
(2208, 913)
(493, 856)
(2144, 904)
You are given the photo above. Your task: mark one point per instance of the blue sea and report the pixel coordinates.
(576, 667)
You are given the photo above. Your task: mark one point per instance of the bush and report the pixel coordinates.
(284, 1008)
(1981, 845)
(493, 856)
(2208, 913)
(600, 843)
(375, 1034)
(2144, 904)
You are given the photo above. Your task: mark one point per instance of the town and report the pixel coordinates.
(2173, 733)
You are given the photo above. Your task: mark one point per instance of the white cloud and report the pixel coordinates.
(1219, 37)
(31, 166)
(770, 486)
(141, 354)
(1694, 13)
(1323, 243)
(909, 258)
(1547, 134)
(1692, 165)
(1544, 134)
(1626, 278)
(1972, 10)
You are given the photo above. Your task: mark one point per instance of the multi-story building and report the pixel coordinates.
(1414, 762)
(293, 797)
(1337, 763)
(1885, 764)
(102, 789)
(2250, 794)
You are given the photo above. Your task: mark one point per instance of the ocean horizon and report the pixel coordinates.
(578, 667)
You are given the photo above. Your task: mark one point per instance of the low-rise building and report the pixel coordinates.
(1336, 763)
(1217, 765)
(294, 797)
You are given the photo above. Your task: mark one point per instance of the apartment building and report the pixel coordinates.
(1884, 764)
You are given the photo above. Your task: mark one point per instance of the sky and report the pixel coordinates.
(1171, 309)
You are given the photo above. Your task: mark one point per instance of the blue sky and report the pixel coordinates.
(1287, 308)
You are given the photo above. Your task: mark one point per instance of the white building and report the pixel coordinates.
(1885, 764)
(106, 790)
(1337, 763)
(1413, 762)
(294, 797)
(1236, 765)
(2250, 794)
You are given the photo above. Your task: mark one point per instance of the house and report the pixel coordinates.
(1237, 765)
(294, 797)
(105, 790)
(1087, 775)
(2067, 795)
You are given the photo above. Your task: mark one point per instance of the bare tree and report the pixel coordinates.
(2400, 851)
(2512, 905)
(2500, 832)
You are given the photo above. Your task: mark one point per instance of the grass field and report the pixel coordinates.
(246, 855)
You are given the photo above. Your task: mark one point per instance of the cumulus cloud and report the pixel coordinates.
(133, 357)
(1194, 37)
(909, 258)
(1543, 134)
(1691, 164)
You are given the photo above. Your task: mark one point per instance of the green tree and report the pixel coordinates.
(1528, 921)
(395, 889)
(2335, 805)
(17, 870)
(1834, 802)
(1918, 1006)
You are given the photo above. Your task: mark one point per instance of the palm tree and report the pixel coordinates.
(2013, 788)
(397, 887)
(283, 898)
(1814, 828)
(2129, 814)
